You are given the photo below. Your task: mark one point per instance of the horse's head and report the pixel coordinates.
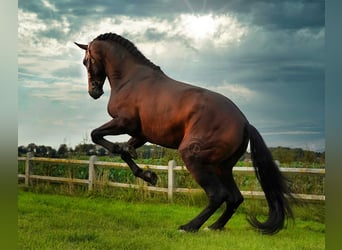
(95, 69)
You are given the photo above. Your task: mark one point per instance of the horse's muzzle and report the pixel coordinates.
(96, 90)
(95, 93)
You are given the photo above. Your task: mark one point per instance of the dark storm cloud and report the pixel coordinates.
(106, 8)
(33, 6)
(288, 14)
(278, 14)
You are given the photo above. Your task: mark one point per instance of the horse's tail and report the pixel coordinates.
(273, 184)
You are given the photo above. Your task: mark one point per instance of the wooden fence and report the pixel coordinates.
(172, 170)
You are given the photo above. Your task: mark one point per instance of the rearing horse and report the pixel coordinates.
(208, 129)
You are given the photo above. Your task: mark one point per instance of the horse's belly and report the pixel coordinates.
(166, 137)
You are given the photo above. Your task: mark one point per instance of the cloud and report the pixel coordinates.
(29, 24)
(235, 92)
(220, 30)
(197, 31)
(289, 14)
(49, 5)
(60, 91)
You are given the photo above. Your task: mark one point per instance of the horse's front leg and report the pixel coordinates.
(126, 150)
(132, 144)
(146, 175)
(112, 128)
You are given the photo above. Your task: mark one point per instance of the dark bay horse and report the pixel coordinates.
(208, 129)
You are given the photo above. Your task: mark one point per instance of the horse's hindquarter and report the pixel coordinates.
(216, 129)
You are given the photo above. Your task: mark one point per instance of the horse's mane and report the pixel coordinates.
(129, 46)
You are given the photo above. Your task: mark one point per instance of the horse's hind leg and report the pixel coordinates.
(217, 193)
(235, 197)
(233, 201)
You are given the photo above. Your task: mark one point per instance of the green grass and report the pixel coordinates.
(47, 221)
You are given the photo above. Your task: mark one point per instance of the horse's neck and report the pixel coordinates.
(132, 72)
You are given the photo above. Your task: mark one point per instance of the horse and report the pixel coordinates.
(208, 129)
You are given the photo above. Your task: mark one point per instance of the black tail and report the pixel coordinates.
(273, 184)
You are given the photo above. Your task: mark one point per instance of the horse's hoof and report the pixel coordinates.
(150, 177)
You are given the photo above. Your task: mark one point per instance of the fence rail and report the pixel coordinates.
(172, 169)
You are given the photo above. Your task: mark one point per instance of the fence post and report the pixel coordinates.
(91, 178)
(171, 179)
(29, 155)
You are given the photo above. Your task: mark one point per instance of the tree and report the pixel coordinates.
(22, 150)
(62, 150)
(31, 148)
(85, 149)
(309, 156)
(172, 154)
(41, 151)
(51, 152)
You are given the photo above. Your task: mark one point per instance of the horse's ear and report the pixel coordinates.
(82, 46)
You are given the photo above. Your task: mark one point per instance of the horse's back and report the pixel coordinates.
(205, 109)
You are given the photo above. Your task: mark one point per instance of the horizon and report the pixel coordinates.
(151, 144)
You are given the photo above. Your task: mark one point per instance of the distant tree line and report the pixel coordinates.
(62, 151)
(281, 154)
(87, 149)
(288, 155)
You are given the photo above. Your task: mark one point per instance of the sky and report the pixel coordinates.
(266, 56)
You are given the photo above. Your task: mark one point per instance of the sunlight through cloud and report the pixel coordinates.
(200, 26)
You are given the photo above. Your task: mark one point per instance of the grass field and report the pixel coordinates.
(47, 221)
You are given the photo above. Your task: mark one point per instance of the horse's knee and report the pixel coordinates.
(95, 135)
